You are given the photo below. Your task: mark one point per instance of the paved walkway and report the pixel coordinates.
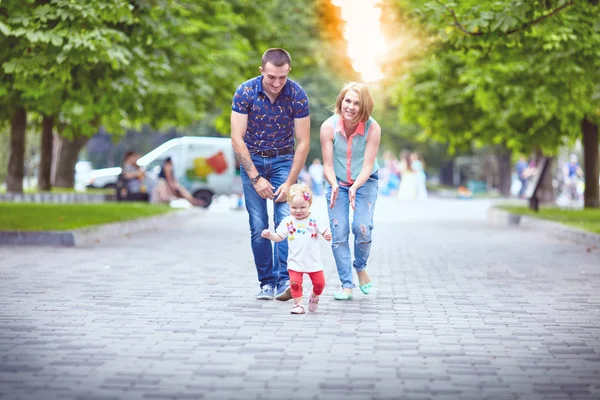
(460, 310)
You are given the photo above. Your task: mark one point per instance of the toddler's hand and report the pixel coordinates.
(265, 234)
(327, 235)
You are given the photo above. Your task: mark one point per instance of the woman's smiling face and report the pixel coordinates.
(350, 106)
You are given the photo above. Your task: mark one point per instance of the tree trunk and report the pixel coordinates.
(545, 193)
(505, 171)
(68, 152)
(591, 165)
(447, 173)
(18, 125)
(46, 156)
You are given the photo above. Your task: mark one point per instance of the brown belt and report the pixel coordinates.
(273, 152)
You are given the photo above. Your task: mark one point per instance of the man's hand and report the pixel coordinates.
(281, 192)
(334, 194)
(352, 196)
(264, 188)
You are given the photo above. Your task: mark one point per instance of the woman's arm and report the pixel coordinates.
(327, 153)
(373, 139)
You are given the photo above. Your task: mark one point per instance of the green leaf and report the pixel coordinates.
(9, 67)
(5, 29)
(487, 15)
(57, 41)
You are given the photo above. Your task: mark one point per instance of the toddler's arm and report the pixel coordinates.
(267, 234)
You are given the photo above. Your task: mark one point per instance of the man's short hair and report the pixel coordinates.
(277, 57)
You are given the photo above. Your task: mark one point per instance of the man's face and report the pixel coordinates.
(274, 78)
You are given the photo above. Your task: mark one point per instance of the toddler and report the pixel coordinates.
(302, 231)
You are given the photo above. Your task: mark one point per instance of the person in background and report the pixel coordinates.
(131, 181)
(573, 174)
(168, 189)
(418, 166)
(316, 174)
(389, 178)
(408, 179)
(522, 170)
(304, 176)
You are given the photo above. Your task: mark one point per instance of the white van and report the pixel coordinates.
(205, 166)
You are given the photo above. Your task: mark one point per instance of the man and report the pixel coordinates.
(522, 169)
(316, 175)
(268, 113)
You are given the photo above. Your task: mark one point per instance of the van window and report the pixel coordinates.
(155, 164)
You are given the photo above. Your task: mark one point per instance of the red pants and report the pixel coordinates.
(317, 279)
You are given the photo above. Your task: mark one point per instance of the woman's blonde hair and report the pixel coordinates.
(300, 189)
(365, 98)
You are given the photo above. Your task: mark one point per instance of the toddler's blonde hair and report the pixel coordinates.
(300, 189)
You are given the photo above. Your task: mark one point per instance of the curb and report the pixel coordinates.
(57, 198)
(501, 217)
(90, 235)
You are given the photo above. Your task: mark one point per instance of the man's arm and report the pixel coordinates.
(302, 138)
(239, 124)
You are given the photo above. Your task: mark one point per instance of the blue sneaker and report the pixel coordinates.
(267, 292)
(284, 293)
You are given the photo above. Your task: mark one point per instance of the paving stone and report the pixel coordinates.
(460, 309)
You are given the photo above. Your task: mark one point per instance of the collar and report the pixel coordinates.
(287, 91)
(360, 128)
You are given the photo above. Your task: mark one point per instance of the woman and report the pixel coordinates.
(349, 142)
(408, 179)
(131, 181)
(418, 166)
(168, 189)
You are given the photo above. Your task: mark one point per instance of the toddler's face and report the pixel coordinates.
(299, 207)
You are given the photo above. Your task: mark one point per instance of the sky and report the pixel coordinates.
(366, 42)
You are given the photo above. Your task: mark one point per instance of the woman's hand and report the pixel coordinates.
(335, 189)
(352, 196)
(327, 235)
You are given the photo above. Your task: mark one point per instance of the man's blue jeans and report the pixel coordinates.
(362, 226)
(271, 264)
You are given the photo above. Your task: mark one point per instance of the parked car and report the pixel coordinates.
(203, 165)
(104, 177)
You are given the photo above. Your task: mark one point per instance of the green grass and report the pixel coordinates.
(587, 219)
(68, 190)
(51, 217)
(436, 187)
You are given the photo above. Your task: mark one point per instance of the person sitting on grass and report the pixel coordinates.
(130, 185)
(168, 189)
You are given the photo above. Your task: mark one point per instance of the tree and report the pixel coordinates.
(521, 69)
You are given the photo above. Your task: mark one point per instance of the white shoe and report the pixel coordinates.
(297, 309)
